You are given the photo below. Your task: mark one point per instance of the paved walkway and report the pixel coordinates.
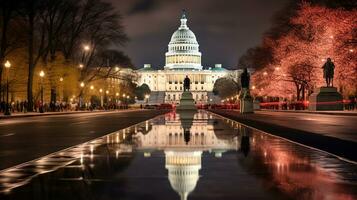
(333, 133)
(24, 139)
(339, 126)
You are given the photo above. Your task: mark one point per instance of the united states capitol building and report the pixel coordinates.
(182, 58)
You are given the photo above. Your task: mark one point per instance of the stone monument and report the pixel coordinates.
(187, 109)
(187, 102)
(326, 98)
(246, 100)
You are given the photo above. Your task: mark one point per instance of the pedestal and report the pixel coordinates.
(325, 98)
(256, 105)
(187, 102)
(246, 101)
(186, 110)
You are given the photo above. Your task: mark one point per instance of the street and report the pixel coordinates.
(24, 139)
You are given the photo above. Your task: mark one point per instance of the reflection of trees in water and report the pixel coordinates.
(243, 133)
(283, 170)
(286, 169)
(224, 134)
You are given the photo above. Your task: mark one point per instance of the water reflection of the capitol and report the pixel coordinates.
(183, 152)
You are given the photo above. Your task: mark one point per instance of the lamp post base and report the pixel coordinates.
(7, 111)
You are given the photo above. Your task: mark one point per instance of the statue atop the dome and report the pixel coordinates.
(183, 14)
(186, 84)
(183, 20)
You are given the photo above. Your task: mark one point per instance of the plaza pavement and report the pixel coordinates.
(336, 134)
(24, 139)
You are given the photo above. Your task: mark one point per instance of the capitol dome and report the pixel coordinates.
(183, 49)
(183, 36)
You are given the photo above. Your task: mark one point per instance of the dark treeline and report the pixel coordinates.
(48, 30)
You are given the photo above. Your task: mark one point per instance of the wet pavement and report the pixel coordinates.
(24, 139)
(338, 126)
(165, 158)
(333, 134)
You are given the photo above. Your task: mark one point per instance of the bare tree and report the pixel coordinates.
(10, 37)
(92, 22)
(100, 28)
(55, 15)
(36, 40)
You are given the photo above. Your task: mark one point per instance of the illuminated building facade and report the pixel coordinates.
(182, 58)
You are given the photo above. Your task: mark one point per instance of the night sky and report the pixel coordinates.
(225, 29)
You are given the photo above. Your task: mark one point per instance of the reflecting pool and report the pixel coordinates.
(208, 157)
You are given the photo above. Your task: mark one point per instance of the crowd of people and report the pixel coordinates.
(23, 106)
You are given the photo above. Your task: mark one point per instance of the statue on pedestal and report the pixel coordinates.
(187, 103)
(246, 100)
(328, 68)
(245, 79)
(326, 98)
(186, 84)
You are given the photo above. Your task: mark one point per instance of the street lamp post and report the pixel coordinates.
(42, 74)
(116, 99)
(7, 107)
(106, 99)
(101, 97)
(61, 88)
(81, 95)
